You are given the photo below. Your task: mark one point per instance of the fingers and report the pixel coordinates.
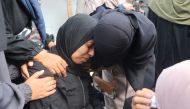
(49, 93)
(144, 93)
(37, 74)
(140, 106)
(51, 86)
(141, 100)
(24, 71)
(59, 69)
(63, 70)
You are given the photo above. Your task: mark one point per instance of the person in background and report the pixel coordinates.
(172, 22)
(171, 92)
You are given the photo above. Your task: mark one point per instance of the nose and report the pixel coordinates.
(91, 52)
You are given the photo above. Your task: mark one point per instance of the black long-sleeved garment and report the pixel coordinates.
(16, 19)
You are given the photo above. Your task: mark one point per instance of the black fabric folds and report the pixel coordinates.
(118, 42)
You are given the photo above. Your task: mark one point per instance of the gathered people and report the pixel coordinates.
(171, 92)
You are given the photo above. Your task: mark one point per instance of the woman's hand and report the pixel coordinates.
(142, 99)
(41, 87)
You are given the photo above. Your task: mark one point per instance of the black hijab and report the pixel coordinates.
(113, 36)
(73, 34)
(128, 41)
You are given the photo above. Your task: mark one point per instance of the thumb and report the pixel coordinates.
(37, 74)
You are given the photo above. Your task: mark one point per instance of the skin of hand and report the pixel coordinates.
(142, 99)
(41, 87)
(24, 70)
(52, 62)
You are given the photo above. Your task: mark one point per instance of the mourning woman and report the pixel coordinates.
(75, 45)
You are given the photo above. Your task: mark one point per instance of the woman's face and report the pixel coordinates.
(84, 53)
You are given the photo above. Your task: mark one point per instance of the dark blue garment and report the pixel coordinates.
(32, 6)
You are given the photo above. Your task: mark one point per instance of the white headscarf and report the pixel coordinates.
(173, 87)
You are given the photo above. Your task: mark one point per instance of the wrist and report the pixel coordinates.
(40, 55)
(35, 51)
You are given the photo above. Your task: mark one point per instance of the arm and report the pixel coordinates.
(20, 49)
(10, 96)
(15, 96)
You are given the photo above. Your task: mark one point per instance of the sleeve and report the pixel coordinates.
(10, 96)
(20, 49)
(140, 60)
(26, 91)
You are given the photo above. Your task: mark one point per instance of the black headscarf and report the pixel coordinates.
(113, 36)
(73, 34)
(128, 41)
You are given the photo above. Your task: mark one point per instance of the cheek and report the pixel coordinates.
(83, 51)
(77, 58)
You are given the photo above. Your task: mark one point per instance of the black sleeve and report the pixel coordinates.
(20, 49)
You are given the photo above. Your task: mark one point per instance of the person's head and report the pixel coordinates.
(112, 35)
(173, 87)
(74, 39)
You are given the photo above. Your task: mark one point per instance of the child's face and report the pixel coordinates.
(84, 53)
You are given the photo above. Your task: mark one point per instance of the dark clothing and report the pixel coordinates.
(21, 50)
(33, 8)
(16, 19)
(72, 91)
(128, 39)
(3, 37)
(173, 42)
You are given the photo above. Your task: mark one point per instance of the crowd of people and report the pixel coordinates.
(136, 52)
